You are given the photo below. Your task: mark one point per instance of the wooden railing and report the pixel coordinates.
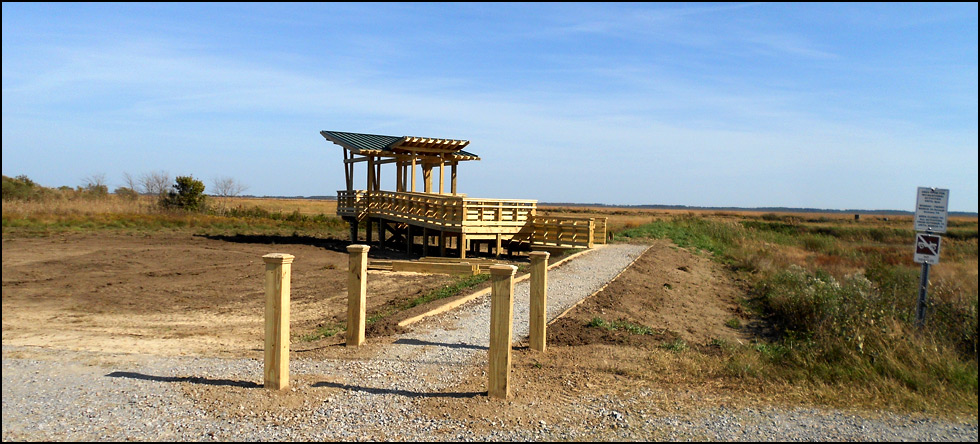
(458, 213)
(432, 209)
(352, 203)
(571, 232)
(449, 211)
(498, 213)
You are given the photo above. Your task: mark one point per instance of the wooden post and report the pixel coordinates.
(461, 245)
(501, 327)
(452, 186)
(277, 269)
(408, 238)
(413, 172)
(539, 300)
(442, 174)
(353, 229)
(427, 177)
(356, 293)
(398, 177)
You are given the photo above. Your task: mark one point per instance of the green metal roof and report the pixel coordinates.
(357, 142)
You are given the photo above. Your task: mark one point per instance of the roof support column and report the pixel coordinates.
(413, 171)
(453, 179)
(427, 177)
(442, 175)
(399, 175)
(370, 174)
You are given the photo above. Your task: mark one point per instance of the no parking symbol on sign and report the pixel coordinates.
(927, 248)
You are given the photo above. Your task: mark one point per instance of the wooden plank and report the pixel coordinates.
(436, 267)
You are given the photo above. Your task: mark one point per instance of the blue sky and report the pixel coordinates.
(834, 106)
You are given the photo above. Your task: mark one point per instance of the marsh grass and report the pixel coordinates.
(840, 297)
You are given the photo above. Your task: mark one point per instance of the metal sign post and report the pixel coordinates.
(930, 216)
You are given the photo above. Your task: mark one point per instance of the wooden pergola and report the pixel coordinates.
(451, 219)
(407, 153)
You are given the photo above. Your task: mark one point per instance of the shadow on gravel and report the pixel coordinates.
(195, 380)
(410, 394)
(440, 344)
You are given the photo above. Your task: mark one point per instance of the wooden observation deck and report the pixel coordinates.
(440, 219)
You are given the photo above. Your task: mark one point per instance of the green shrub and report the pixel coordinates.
(186, 194)
(22, 188)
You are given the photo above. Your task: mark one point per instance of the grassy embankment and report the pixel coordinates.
(838, 297)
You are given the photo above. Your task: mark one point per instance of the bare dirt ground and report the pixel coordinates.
(175, 294)
(113, 297)
(179, 294)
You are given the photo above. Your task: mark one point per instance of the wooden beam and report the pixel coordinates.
(461, 268)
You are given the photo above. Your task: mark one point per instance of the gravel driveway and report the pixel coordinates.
(59, 395)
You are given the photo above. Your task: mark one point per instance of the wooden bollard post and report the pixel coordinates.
(539, 300)
(501, 327)
(277, 269)
(356, 293)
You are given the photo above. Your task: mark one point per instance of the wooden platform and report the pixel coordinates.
(461, 223)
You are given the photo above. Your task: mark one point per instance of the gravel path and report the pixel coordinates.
(58, 395)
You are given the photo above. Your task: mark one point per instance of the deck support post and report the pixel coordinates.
(356, 293)
(353, 229)
(501, 327)
(539, 300)
(442, 243)
(408, 238)
(461, 245)
(277, 271)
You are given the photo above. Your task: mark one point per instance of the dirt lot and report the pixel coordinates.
(175, 294)
(178, 294)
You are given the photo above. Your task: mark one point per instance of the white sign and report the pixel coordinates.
(927, 248)
(930, 210)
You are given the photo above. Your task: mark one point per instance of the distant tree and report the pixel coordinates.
(94, 186)
(187, 194)
(227, 187)
(131, 182)
(126, 193)
(155, 183)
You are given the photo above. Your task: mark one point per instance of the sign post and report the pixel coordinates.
(931, 210)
